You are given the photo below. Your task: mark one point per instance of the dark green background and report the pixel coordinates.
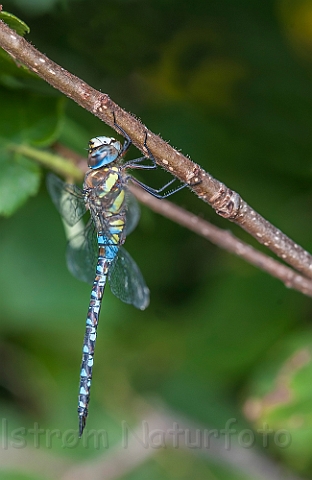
(229, 83)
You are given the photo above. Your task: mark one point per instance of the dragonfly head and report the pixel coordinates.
(103, 151)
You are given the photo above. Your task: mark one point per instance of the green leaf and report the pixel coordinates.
(280, 399)
(29, 118)
(15, 23)
(19, 179)
(13, 75)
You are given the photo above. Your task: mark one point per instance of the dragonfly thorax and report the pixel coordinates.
(103, 151)
(105, 191)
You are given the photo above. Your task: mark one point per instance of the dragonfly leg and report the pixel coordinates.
(137, 163)
(158, 192)
(127, 143)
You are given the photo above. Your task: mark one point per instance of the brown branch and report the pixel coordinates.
(226, 240)
(226, 202)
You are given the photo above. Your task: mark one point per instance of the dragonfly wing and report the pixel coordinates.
(132, 213)
(127, 282)
(81, 254)
(68, 199)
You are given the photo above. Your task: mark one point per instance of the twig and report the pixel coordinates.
(49, 160)
(226, 202)
(225, 240)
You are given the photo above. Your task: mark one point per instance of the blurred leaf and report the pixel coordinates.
(19, 179)
(296, 16)
(16, 76)
(29, 118)
(26, 118)
(170, 464)
(14, 475)
(37, 7)
(12, 73)
(189, 73)
(280, 399)
(15, 23)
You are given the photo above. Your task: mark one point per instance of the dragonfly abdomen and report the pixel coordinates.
(92, 321)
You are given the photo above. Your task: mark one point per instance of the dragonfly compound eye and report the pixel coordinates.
(103, 151)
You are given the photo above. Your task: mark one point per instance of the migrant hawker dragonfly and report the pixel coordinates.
(95, 254)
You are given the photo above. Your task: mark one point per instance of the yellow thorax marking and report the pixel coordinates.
(118, 222)
(116, 206)
(110, 181)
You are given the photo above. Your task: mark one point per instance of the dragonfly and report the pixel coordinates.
(94, 252)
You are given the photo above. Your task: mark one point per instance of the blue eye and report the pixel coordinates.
(103, 151)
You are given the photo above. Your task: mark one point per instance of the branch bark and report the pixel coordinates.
(225, 201)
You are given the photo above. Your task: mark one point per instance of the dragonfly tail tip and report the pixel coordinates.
(82, 424)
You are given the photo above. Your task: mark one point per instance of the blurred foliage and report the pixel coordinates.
(228, 83)
(15, 23)
(280, 397)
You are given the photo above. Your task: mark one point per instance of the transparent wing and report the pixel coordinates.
(81, 254)
(127, 282)
(68, 199)
(132, 212)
